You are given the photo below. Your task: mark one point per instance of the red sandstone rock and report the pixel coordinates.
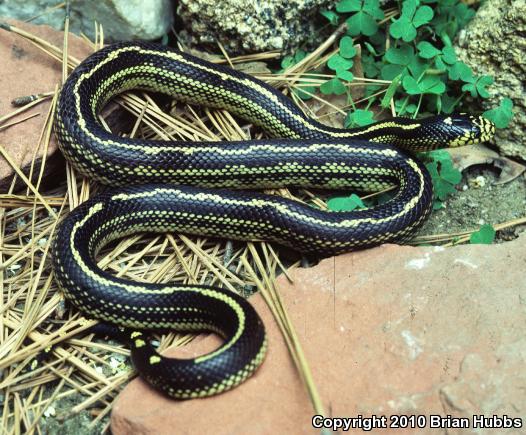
(391, 330)
(26, 70)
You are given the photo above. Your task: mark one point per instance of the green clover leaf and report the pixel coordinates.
(448, 55)
(304, 90)
(288, 61)
(345, 75)
(349, 6)
(339, 63)
(463, 13)
(409, 7)
(359, 118)
(481, 85)
(333, 86)
(412, 18)
(477, 86)
(362, 23)
(427, 50)
(423, 15)
(449, 173)
(484, 236)
(389, 72)
(439, 156)
(346, 203)
(428, 85)
(370, 66)
(451, 16)
(398, 60)
(501, 115)
(372, 7)
(443, 174)
(403, 29)
(442, 188)
(446, 103)
(418, 66)
(460, 71)
(347, 48)
(365, 14)
(402, 107)
(400, 56)
(446, 59)
(331, 16)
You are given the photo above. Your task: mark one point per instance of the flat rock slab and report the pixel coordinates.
(26, 70)
(391, 330)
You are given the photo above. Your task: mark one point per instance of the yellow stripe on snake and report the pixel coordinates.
(190, 187)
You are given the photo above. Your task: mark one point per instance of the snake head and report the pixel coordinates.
(435, 132)
(463, 129)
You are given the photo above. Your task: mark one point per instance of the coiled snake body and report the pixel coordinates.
(158, 192)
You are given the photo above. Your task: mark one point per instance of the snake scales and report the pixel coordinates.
(156, 191)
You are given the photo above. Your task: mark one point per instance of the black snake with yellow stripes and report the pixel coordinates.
(156, 190)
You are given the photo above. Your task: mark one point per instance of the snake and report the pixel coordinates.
(212, 189)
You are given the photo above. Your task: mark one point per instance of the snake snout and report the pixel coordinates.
(485, 128)
(469, 129)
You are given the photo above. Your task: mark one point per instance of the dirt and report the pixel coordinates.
(479, 200)
(60, 421)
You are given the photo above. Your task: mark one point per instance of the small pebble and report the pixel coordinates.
(50, 411)
(477, 182)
